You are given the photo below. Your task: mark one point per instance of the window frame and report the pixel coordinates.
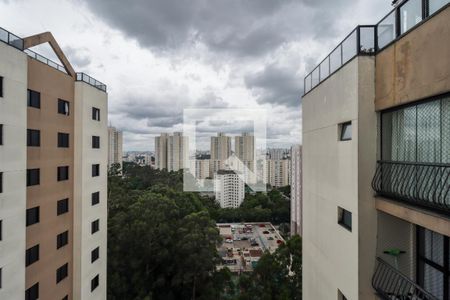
(62, 273)
(96, 114)
(62, 206)
(36, 181)
(32, 216)
(342, 220)
(33, 134)
(60, 173)
(95, 142)
(95, 170)
(95, 282)
(62, 239)
(32, 289)
(342, 127)
(95, 226)
(63, 105)
(63, 140)
(31, 255)
(32, 101)
(95, 198)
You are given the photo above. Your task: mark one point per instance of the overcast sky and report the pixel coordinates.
(160, 57)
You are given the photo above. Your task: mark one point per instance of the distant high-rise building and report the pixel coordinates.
(278, 172)
(229, 189)
(201, 168)
(171, 151)
(53, 175)
(220, 151)
(296, 190)
(114, 146)
(277, 153)
(244, 149)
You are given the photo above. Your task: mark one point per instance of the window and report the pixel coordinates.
(34, 99)
(33, 138)
(0, 278)
(434, 6)
(410, 15)
(1, 182)
(95, 170)
(63, 107)
(1, 230)
(32, 293)
(62, 239)
(95, 226)
(341, 296)
(1, 86)
(63, 173)
(345, 218)
(32, 215)
(95, 254)
(94, 283)
(1, 134)
(63, 140)
(33, 177)
(386, 30)
(32, 255)
(95, 198)
(62, 206)
(96, 142)
(345, 131)
(66, 297)
(95, 114)
(62, 272)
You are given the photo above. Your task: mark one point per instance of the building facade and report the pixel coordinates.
(220, 151)
(278, 172)
(47, 155)
(115, 143)
(376, 197)
(171, 151)
(296, 190)
(229, 189)
(244, 149)
(161, 151)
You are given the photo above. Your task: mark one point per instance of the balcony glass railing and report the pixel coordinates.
(11, 39)
(390, 284)
(421, 184)
(372, 38)
(89, 80)
(45, 60)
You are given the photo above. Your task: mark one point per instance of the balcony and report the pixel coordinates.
(391, 284)
(421, 184)
(11, 39)
(91, 81)
(45, 60)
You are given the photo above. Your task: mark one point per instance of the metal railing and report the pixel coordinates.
(11, 39)
(391, 27)
(391, 284)
(89, 80)
(423, 184)
(45, 60)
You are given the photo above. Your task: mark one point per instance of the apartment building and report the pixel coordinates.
(376, 128)
(220, 152)
(201, 168)
(278, 172)
(229, 188)
(52, 238)
(161, 151)
(296, 190)
(244, 149)
(171, 151)
(115, 143)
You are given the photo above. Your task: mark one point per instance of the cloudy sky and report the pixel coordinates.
(159, 57)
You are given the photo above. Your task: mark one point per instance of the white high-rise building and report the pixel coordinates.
(296, 190)
(161, 151)
(229, 189)
(115, 143)
(177, 145)
(244, 149)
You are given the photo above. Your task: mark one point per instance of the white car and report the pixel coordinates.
(229, 241)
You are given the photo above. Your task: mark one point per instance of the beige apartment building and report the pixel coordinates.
(376, 161)
(115, 144)
(220, 152)
(53, 167)
(244, 149)
(278, 172)
(171, 151)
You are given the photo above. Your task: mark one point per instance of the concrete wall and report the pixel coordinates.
(333, 257)
(87, 97)
(416, 66)
(13, 116)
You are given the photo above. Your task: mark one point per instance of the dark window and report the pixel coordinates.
(32, 255)
(63, 107)
(1, 230)
(95, 197)
(63, 173)
(95, 114)
(94, 283)
(345, 131)
(34, 99)
(341, 296)
(433, 262)
(1, 134)
(66, 297)
(95, 254)
(95, 142)
(32, 293)
(62, 272)
(32, 215)
(1, 182)
(63, 140)
(1, 86)
(345, 218)
(62, 239)
(33, 138)
(95, 225)
(62, 206)
(33, 177)
(0, 278)
(95, 170)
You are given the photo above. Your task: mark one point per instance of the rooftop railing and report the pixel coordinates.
(89, 80)
(391, 284)
(45, 60)
(420, 184)
(11, 39)
(368, 40)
